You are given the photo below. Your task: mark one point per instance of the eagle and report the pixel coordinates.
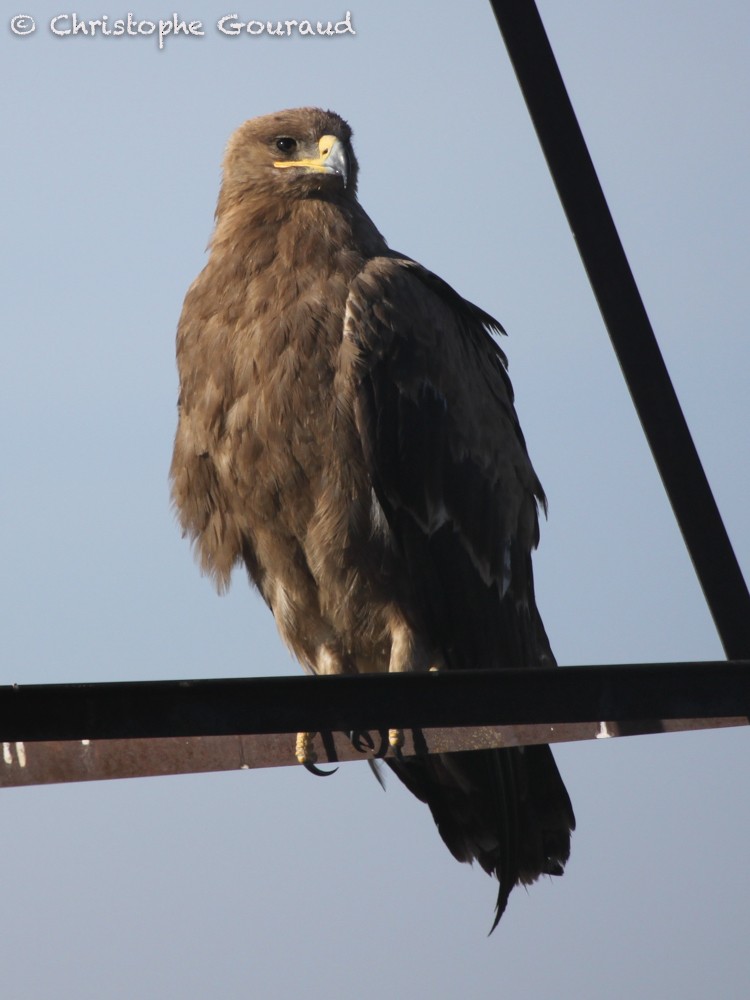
(347, 432)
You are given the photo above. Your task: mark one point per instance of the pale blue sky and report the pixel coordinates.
(275, 884)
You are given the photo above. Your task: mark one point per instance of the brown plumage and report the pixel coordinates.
(347, 431)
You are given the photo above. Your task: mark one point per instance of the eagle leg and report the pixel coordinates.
(396, 736)
(303, 748)
(306, 755)
(396, 741)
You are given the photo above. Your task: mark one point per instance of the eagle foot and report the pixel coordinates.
(303, 749)
(362, 740)
(396, 741)
(306, 755)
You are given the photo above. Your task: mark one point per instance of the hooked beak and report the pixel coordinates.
(332, 159)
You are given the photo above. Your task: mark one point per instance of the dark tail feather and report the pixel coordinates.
(507, 809)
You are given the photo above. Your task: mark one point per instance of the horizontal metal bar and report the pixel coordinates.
(149, 709)
(98, 760)
(628, 324)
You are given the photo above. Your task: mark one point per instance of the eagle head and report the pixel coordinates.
(303, 152)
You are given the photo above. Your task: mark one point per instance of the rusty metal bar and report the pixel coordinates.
(82, 732)
(626, 320)
(42, 763)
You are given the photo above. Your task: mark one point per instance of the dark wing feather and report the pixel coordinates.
(448, 462)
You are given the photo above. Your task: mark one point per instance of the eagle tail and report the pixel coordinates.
(506, 809)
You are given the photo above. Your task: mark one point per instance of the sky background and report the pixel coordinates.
(273, 883)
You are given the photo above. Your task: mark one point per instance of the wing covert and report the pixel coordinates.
(434, 410)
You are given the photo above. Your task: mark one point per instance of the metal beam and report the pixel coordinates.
(42, 763)
(627, 322)
(159, 709)
(85, 732)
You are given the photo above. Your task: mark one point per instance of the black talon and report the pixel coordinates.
(362, 740)
(319, 772)
(420, 743)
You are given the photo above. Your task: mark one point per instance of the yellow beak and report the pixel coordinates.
(332, 159)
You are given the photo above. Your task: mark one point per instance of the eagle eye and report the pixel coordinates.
(286, 144)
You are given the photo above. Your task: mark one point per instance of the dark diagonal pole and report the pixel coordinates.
(625, 317)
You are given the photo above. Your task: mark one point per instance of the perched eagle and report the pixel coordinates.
(347, 432)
